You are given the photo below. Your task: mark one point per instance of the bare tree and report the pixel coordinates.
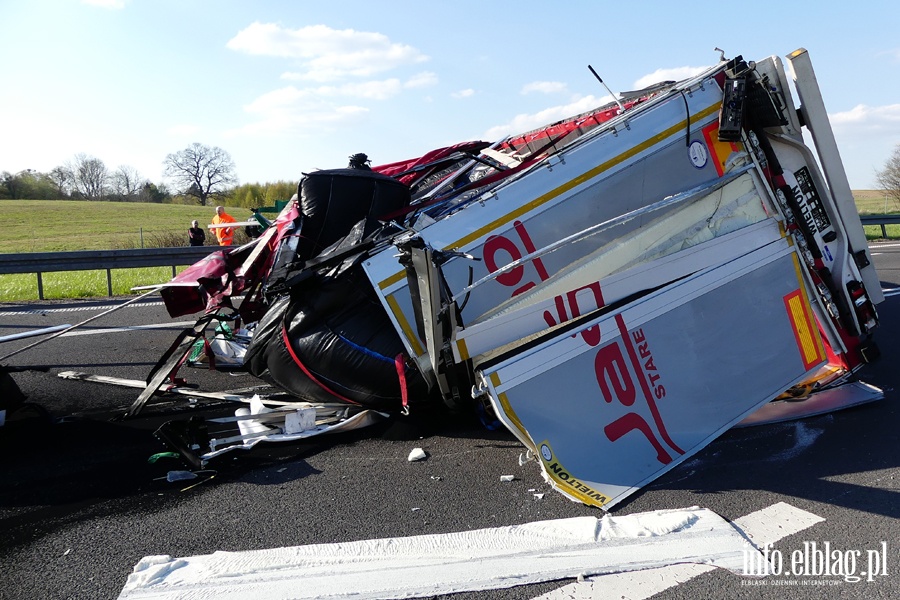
(889, 177)
(90, 176)
(63, 179)
(200, 171)
(126, 183)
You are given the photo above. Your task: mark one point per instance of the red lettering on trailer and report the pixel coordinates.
(616, 377)
(567, 307)
(612, 375)
(658, 392)
(501, 244)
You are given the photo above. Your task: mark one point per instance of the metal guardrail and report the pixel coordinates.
(880, 220)
(95, 260)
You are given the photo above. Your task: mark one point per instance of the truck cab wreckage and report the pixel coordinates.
(617, 289)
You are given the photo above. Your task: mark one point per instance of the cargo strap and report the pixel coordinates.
(400, 364)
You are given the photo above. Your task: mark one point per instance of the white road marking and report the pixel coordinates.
(173, 325)
(67, 309)
(771, 524)
(762, 527)
(425, 565)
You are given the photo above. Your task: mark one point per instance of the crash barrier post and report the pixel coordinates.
(880, 220)
(94, 260)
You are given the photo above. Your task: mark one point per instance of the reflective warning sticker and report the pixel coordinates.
(809, 343)
(720, 151)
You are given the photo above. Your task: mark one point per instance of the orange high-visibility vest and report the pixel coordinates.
(225, 235)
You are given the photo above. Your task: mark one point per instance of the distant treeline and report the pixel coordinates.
(34, 185)
(201, 174)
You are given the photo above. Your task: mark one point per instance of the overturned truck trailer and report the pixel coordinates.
(617, 288)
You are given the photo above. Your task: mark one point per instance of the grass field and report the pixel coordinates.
(62, 226)
(56, 225)
(875, 202)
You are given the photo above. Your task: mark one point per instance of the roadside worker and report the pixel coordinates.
(225, 235)
(196, 235)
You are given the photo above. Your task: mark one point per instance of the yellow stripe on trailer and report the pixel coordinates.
(565, 187)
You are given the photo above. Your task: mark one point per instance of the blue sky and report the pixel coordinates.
(288, 87)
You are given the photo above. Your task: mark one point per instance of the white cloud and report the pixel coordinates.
(674, 74)
(364, 89)
(423, 79)
(326, 54)
(467, 93)
(544, 87)
(893, 53)
(111, 4)
(310, 110)
(869, 117)
(866, 136)
(371, 90)
(527, 122)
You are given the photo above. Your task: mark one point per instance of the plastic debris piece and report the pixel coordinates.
(302, 420)
(539, 496)
(506, 478)
(180, 476)
(415, 508)
(160, 455)
(417, 454)
(525, 457)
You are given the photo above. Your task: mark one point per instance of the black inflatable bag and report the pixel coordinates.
(334, 200)
(342, 346)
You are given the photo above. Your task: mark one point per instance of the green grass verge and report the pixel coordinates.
(80, 284)
(68, 225)
(873, 232)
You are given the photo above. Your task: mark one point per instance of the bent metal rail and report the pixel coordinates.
(95, 260)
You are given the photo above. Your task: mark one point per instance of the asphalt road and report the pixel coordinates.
(81, 504)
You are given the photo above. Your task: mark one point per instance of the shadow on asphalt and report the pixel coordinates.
(59, 471)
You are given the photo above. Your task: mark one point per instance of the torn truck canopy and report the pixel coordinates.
(617, 288)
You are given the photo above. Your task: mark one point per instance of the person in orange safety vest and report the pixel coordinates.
(225, 235)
